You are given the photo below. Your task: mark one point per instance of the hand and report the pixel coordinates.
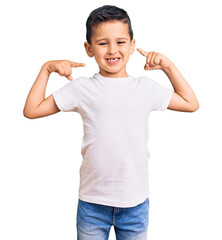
(62, 67)
(155, 60)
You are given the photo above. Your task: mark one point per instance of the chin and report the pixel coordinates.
(112, 71)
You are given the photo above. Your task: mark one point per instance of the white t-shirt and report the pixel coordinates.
(115, 114)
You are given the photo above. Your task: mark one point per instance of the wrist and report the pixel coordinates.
(169, 67)
(46, 68)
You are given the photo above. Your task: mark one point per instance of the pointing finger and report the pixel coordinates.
(75, 64)
(144, 53)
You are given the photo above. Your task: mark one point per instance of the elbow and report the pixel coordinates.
(195, 107)
(29, 117)
(27, 114)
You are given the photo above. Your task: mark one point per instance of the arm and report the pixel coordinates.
(183, 98)
(37, 105)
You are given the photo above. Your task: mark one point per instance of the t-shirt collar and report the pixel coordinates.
(101, 77)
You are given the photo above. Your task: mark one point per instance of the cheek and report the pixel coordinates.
(99, 57)
(126, 51)
(126, 54)
(99, 54)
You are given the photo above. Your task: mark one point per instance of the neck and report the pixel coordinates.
(113, 75)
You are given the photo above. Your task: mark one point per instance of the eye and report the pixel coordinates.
(102, 43)
(121, 42)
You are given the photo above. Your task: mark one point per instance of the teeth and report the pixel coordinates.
(111, 60)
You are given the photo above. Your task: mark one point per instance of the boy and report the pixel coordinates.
(115, 108)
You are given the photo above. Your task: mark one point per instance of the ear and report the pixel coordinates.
(88, 48)
(132, 46)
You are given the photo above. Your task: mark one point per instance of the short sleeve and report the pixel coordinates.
(67, 97)
(161, 96)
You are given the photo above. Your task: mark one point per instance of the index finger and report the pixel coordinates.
(144, 53)
(75, 64)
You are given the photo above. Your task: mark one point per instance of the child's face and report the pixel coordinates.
(111, 40)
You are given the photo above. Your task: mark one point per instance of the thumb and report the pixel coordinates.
(69, 77)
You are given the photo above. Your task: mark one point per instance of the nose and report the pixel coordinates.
(112, 49)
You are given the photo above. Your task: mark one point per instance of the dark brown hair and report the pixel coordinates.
(104, 14)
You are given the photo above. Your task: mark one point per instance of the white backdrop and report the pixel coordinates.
(40, 158)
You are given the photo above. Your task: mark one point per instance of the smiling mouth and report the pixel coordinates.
(112, 60)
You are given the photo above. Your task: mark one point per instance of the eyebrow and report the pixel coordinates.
(106, 39)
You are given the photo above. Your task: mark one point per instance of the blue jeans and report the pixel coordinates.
(94, 221)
